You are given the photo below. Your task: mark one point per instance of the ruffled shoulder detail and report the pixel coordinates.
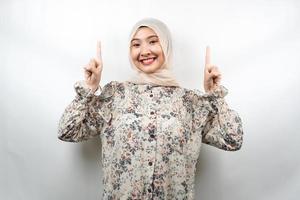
(108, 90)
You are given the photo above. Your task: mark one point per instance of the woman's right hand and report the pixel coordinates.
(93, 70)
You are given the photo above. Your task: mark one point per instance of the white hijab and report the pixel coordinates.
(163, 75)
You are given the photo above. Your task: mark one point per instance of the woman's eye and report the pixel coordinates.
(153, 42)
(135, 45)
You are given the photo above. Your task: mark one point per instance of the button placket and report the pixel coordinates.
(151, 136)
(152, 107)
(152, 113)
(151, 132)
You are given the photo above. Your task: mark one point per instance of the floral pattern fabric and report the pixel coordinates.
(151, 135)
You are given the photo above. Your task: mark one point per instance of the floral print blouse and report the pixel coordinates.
(151, 135)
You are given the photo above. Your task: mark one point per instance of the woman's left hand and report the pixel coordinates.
(212, 75)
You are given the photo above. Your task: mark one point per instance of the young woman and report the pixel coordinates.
(151, 129)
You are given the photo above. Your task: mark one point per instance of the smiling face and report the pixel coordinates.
(146, 51)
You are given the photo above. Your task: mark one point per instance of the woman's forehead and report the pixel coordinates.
(144, 33)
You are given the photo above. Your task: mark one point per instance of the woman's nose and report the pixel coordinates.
(145, 51)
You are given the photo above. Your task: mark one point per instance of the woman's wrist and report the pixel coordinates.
(92, 88)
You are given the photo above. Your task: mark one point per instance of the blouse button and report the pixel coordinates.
(151, 113)
(151, 95)
(150, 163)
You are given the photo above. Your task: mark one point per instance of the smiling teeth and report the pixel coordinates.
(148, 61)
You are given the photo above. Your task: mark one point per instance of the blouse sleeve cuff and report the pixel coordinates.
(219, 92)
(214, 99)
(83, 90)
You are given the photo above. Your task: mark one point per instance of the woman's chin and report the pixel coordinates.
(148, 68)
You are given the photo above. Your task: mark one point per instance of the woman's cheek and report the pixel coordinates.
(157, 49)
(134, 55)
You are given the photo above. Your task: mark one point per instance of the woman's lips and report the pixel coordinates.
(147, 61)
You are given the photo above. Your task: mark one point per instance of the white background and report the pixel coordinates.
(44, 44)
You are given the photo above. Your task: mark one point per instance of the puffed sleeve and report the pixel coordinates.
(219, 125)
(86, 115)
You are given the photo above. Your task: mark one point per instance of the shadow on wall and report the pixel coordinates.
(208, 174)
(91, 150)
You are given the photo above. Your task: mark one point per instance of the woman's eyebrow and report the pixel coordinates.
(150, 36)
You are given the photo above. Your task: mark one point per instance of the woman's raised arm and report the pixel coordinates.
(85, 116)
(222, 126)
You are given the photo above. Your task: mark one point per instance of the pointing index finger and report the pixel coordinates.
(207, 56)
(98, 52)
